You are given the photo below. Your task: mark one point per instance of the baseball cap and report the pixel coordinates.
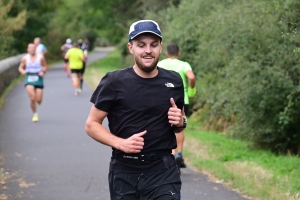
(144, 26)
(68, 41)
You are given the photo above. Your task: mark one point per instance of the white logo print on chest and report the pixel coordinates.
(169, 84)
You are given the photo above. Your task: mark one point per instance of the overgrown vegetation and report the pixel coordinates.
(98, 69)
(256, 173)
(8, 26)
(248, 75)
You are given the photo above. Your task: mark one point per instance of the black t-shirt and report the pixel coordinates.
(135, 104)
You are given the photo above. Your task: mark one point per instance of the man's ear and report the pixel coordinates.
(129, 45)
(179, 53)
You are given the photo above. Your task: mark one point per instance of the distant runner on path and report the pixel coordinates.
(40, 48)
(34, 66)
(84, 47)
(64, 48)
(76, 57)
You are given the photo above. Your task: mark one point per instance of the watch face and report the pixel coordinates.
(184, 122)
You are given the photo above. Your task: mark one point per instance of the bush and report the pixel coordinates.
(247, 75)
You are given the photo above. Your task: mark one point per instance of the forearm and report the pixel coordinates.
(99, 133)
(21, 69)
(178, 129)
(191, 78)
(45, 68)
(192, 83)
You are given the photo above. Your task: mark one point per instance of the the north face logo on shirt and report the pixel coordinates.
(169, 84)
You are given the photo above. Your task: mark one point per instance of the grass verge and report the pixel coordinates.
(8, 89)
(98, 69)
(255, 173)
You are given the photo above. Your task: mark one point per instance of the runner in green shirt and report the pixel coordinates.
(185, 70)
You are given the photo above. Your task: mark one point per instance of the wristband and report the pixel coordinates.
(191, 92)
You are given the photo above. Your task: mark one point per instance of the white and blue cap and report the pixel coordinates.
(144, 26)
(69, 41)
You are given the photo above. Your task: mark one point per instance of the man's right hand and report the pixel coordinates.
(133, 144)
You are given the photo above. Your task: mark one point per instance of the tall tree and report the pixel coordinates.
(39, 14)
(8, 25)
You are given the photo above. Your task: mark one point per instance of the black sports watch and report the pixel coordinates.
(184, 123)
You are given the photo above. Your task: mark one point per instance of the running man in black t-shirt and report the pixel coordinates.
(144, 107)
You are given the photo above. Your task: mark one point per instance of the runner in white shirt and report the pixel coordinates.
(64, 48)
(34, 66)
(40, 48)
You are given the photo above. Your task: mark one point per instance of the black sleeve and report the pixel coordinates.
(104, 95)
(180, 100)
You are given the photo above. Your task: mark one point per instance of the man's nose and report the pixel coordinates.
(148, 49)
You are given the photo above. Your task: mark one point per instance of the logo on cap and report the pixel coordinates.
(144, 26)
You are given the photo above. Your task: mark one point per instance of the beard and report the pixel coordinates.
(145, 68)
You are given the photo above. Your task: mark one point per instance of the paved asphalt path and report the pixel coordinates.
(54, 159)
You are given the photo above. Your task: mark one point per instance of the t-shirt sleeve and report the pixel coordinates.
(44, 47)
(181, 99)
(187, 66)
(104, 95)
(161, 64)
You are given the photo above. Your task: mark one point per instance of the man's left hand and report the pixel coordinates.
(175, 114)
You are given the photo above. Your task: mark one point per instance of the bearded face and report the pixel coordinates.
(147, 62)
(146, 49)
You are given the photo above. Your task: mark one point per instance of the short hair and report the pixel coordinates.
(75, 44)
(173, 49)
(30, 44)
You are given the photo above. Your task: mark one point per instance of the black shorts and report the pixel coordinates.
(164, 184)
(186, 109)
(76, 71)
(36, 86)
(83, 68)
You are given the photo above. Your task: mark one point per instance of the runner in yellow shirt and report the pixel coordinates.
(185, 70)
(75, 56)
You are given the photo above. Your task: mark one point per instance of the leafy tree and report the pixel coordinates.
(9, 25)
(248, 78)
(39, 15)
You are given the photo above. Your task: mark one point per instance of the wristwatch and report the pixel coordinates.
(184, 123)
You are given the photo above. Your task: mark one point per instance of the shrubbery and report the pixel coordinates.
(248, 76)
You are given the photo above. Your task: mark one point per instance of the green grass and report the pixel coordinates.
(255, 173)
(98, 69)
(8, 89)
